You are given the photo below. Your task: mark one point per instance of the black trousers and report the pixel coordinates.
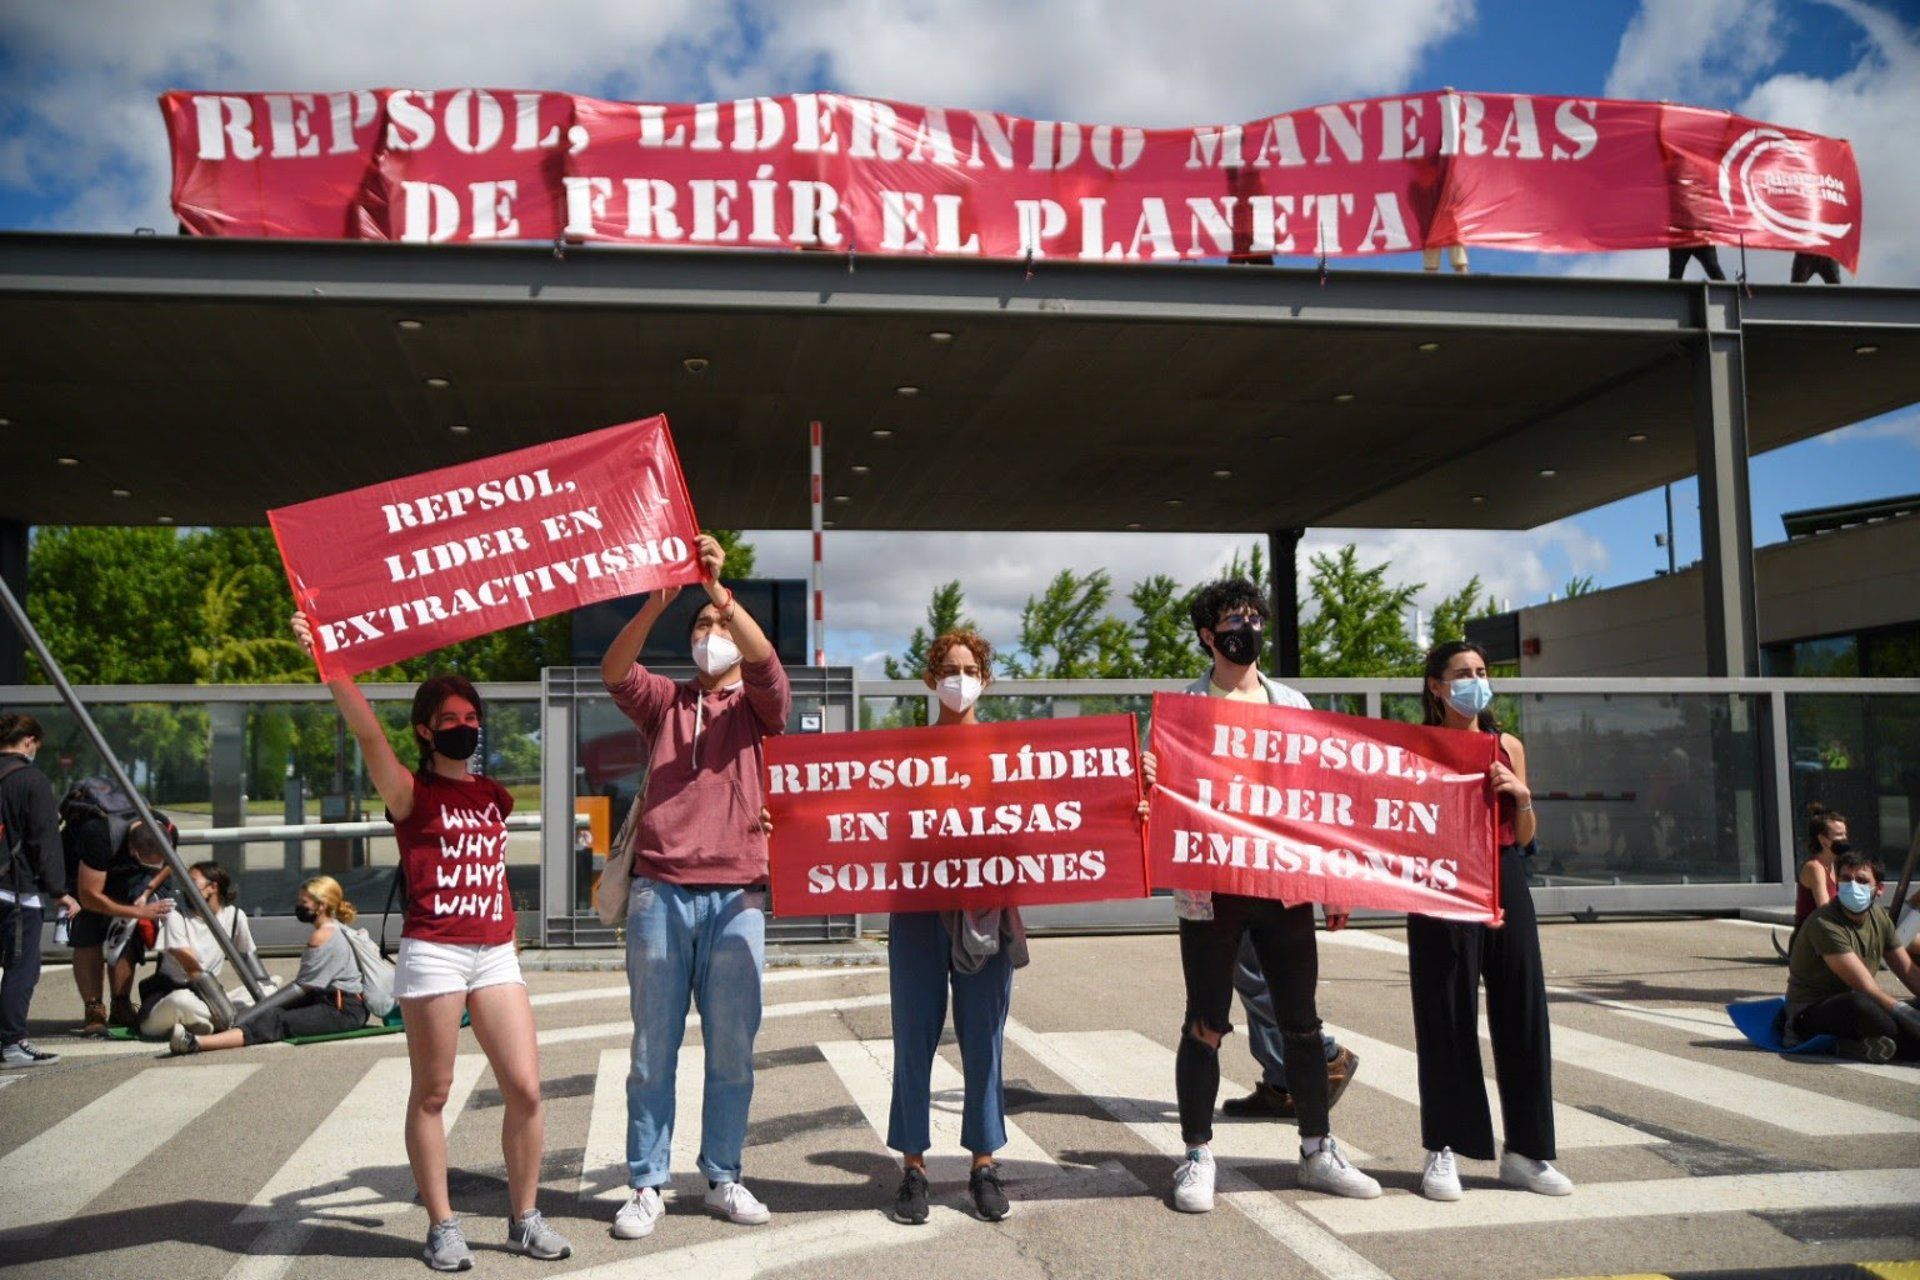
(1209, 949)
(1447, 962)
(20, 957)
(1808, 265)
(1855, 1015)
(314, 1014)
(1709, 258)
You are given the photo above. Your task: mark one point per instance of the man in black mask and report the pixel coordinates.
(1230, 617)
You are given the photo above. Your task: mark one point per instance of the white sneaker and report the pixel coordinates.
(732, 1201)
(1532, 1175)
(1329, 1170)
(639, 1215)
(1441, 1181)
(1193, 1184)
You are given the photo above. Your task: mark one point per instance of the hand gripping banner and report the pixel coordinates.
(400, 568)
(829, 171)
(1310, 806)
(1010, 814)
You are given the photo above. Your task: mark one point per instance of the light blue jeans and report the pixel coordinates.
(707, 946)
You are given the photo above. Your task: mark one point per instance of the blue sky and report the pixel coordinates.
(81, 148)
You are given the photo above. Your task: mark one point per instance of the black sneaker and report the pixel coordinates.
(910, 1202)
(1870, 1049)
(989, 1197)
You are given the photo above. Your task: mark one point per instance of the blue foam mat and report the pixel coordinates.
(1759, 1021)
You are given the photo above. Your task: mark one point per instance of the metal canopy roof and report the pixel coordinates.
(213, 379)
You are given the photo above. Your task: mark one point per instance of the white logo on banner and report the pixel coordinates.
(1799, 181)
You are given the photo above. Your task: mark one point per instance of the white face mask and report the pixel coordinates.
(957, 693)
(715, 654)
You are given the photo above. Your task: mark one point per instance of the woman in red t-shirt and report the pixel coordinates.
(456, 949)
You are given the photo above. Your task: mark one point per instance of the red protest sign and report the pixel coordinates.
(399, 568)
(832, 171)
(1012, 814)
(1310, 806)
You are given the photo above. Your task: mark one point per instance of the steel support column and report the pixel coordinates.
(1726, 517)
(13, 572)
(1283, 568)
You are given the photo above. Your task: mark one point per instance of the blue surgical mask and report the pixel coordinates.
(1854, 895)
(1470, 695)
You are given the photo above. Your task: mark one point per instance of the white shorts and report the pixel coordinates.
(425, 968)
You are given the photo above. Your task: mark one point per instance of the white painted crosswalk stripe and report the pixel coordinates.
(603, 1161)
(61, 1170)
(1592, 1202)
(1389, 1069)
(1305, 1239)
(353, 1165)
(865, 1068)
(794, 1009)
(1142, 1069)
(1702, 1084)
(774, 978)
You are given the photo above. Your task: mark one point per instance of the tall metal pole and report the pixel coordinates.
(819, 597)
(1672, 564)
(194, 901)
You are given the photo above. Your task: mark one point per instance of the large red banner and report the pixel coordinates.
(1016, 814)
(824, 170)
(396, 569)
(1310, 806)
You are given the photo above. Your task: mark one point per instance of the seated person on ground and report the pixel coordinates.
(187, 989)
(1833, 986)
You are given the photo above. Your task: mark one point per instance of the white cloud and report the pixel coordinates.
(1122, 61)
(1902, 426)
(1699, 51)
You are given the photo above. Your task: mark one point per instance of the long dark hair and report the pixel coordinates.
(1820, 820)
(216, 875)
(426, 702)
(1432, 709)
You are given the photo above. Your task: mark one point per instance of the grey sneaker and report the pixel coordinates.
(21, 1053)
(446, 1248)
(531, 1234)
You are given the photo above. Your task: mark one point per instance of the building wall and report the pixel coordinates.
(1846, 580)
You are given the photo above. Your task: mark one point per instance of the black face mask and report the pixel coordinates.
(457, 743)
(1241, 647)
(304, 914)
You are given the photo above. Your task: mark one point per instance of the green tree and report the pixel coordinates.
(1163, 641)
(740, 553)
(1451, 615)
(1581, 584)
(221, 653)
(946, 611)
(115, 606)
(1066, 632)
(1359, 627)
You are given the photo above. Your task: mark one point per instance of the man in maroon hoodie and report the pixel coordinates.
(696, 914)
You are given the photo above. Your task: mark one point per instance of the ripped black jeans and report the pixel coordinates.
(1283, 939)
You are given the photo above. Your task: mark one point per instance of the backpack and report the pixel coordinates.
(376, 975)
(101, 798)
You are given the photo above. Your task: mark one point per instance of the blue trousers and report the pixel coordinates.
(919, 973)
(707, 947)
(1263, 1027)
(22, 968)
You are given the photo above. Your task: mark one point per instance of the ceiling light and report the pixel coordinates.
(411, 326)
(1428, 346)
(940, 335)
(438, 384)
(123, 493)
(459, 428)
(1133, 524)
(841, 497)
(1638, 437)
(164, 519)
(860, 471)
(906, 391)
(1548, 473)
(695, 365)
(1479, 498)
(6, 422)
(1278, 439)
(826, 524)
(1173, 502)
(1223, 474)
(1418, 524)
(68, 462)
(1345, 397)
(1866, 348)
(882, 433)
